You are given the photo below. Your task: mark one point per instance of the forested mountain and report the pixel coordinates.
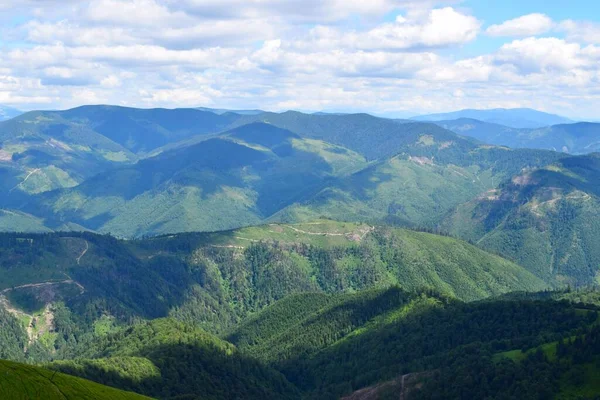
(418, 186)
(219, 183)
(41, 151)
(46, 150)
(576, 138)
(236, 273)
(373, 137)
(168, 359)
(224, 181)
(315, 310)
(512, 117)
(546, 219)
(334, 347)
(300, 307)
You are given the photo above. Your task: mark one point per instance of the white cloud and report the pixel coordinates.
(111, 81)
(148, 13)
(297, 11)
(547, 54)
(380, 56)
(441, 27)
(274, 57)
(581, 31)
(437, 28)
(527, 25)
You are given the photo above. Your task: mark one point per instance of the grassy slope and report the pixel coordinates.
(20, 381)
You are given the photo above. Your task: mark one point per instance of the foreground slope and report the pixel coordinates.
(168, 359)
(23, 382)
(341, 344)
(546, 219)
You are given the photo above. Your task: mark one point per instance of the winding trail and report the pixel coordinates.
(87, 247)
(30, 285)
(25, 180)
(363, 231)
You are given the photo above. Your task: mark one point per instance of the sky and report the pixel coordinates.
(386, 57)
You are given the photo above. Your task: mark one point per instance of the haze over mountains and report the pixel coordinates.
(8, 113)
(513, 118)
(297, 256)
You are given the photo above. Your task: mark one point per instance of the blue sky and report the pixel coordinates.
(387, 57)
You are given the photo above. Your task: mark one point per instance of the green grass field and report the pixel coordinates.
(26, 382)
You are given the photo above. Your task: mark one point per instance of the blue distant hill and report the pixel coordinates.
(514, 117)
(8, 113)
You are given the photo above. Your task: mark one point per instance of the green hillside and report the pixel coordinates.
(46, 150)
(418, 188)
(198, 176)
(216, 279)
(220, 183)
(42, 151)
(375, 138)
(25, 382)
(545, 219)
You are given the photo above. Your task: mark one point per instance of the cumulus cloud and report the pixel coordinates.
(380, 56)
(527, 25)
(435, 29)
(547, 54)
(297, 11)
(587, 32)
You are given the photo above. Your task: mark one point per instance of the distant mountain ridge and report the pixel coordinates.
(574, 138)
(221, 111)
(514, 118)
(8, 113)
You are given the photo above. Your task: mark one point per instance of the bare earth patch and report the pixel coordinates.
(5, 156)
(421, 160)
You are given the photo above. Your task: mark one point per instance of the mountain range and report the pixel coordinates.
(133, 173)
(575, 138)
(217, 254)
(513, 117)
